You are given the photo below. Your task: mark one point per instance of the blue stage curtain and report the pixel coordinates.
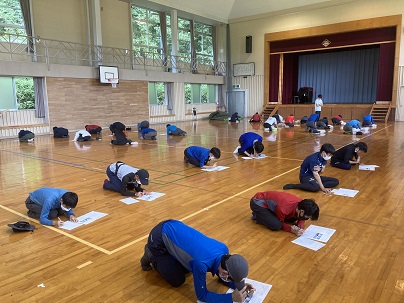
(341, 77)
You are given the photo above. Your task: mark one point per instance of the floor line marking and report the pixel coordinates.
(84, 264)
(59, 231)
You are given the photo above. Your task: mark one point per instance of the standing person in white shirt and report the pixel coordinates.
(318, 104)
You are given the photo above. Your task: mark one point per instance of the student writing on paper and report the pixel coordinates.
(48, 203)
(279, 210)
(174, 249)
(310, 170)
(126, 179)
(348, 155)
(250, 145)
(200, 156)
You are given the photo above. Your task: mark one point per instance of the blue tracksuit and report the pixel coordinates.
(248, 139)
(368, 118)
(199, 153)
(197, 253)
(170, 129)
(307, 167)
(354, 124)
(48, 198)
(313, 117)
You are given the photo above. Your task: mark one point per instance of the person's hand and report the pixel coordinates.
(239, 295)
(327, 191)
(317, 168)
(60, 222)
(214, 164)
(145, 193)
(140, 194)
(250, 289)
(297, 230)
(73, 218)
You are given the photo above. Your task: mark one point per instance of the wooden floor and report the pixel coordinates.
(362, 262)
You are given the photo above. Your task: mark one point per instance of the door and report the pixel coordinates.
(238, 102)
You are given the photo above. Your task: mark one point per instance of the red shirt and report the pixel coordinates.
(289, 119)
(337, 117)
(256, 117)
(285, 208)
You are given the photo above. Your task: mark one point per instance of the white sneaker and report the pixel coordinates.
(31, 140)
(134, 143)
(236, 150)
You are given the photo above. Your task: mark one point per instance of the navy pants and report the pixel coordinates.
(308, 183)
(339, 164)
(114, 183)
(166, 265)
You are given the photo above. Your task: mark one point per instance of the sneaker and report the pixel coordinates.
(254, 216)
(134, 143)
(104, 186)
(31, 140)
(236, 150)
(145, 260)
(289, 186)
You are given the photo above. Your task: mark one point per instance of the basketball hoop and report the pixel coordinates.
(113, 81)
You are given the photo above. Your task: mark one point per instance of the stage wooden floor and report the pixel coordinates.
(99, 262)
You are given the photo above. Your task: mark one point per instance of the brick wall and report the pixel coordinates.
(73, 102)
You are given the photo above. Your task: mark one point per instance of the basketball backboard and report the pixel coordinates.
(107, 73)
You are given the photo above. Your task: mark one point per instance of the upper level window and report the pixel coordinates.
(146, 30)
(184, 37)
(11, 19)
(203, 41)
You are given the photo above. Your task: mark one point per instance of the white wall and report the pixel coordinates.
(259, 25)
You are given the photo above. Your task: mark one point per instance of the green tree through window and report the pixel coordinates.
(11, 20)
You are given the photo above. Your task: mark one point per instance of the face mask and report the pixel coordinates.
(225, 278)
(212, 158)
(326, 157)
(64, 208)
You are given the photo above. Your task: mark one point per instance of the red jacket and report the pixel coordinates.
(289, 119)
(285, 208)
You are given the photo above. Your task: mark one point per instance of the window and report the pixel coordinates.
(17, 93)
(203, 41)
(146, 30)
(200, 93)
(184, 37)
(11, 20)
(157, 93)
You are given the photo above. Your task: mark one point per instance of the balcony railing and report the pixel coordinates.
(35, 49)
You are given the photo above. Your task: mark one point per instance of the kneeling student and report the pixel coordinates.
(82, 135)
(348, 155)
(48, 203)
(200, 156)
(174, 130)
(275, 210)
(126, 179)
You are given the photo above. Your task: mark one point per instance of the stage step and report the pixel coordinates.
(380, 112)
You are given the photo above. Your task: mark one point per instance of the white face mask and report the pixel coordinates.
(64, 208)
(224, 277)
(327, 157)
(138, 182)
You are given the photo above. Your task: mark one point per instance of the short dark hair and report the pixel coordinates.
(70, 199)
(215, 152)
(320, 96)
(258, 147)
(340, 116)
(328, 148)
(310, 208)
(168, 125)
(362, 146)
(325, 118)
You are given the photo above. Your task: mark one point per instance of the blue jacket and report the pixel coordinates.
(48, 198)
(146, 131)
(307, 167)
(368, 118)
(170, 129)
(314, 117)
(199, 153)
(248, 140)
(354, 124)
(197, 253)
